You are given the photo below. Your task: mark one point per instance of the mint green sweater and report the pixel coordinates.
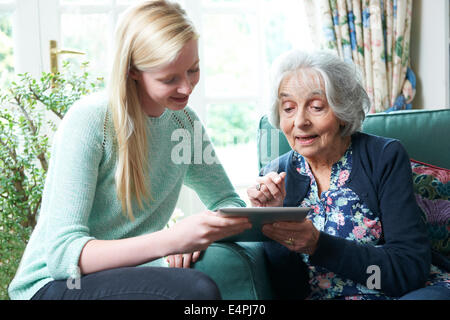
(80, 202)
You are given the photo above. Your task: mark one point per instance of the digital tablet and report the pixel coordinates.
(260, 216)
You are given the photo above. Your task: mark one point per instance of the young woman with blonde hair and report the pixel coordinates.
(113, 181)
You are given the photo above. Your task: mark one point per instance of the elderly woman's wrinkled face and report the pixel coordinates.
(310, 125)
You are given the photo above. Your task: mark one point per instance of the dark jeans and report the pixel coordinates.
(134, 283)
(428, 293)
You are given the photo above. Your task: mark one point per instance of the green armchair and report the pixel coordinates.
(239, 269)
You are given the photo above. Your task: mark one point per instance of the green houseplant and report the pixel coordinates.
(30, 110)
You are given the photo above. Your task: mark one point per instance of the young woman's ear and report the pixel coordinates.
(134, 74)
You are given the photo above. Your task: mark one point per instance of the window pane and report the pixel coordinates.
(6, 49)
(230, 49)
(87, 33)
(232, 128)
(240, 163)
(285, 28)
(232, 123)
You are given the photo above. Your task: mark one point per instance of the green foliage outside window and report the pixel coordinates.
(232, 124)
(30, 110)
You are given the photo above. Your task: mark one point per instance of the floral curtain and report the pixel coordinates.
(375, 35)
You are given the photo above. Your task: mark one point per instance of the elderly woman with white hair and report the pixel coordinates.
(364, 237)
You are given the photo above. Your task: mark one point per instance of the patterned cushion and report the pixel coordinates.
(432, 189)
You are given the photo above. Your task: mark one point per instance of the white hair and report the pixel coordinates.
(344, 90)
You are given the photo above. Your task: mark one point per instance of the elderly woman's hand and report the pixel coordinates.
(269, 190)
(296, 236)
(183, 260)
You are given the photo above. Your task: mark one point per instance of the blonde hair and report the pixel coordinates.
(149, 35)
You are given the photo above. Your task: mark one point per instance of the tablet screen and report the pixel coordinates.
(259, 216)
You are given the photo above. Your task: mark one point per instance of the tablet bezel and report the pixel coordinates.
(259, 216)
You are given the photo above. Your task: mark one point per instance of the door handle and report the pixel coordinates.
(55, 52)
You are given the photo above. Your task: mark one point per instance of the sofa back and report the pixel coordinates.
(424, 133)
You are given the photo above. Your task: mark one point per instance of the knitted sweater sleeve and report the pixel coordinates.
(208, 178)
(404, 258)
(70, 188)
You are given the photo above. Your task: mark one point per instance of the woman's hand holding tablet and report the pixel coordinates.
(259, 216)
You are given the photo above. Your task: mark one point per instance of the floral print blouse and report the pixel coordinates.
(339, 212)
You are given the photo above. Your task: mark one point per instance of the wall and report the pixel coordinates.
(430, 53)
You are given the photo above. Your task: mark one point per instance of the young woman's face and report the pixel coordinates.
(171, 85)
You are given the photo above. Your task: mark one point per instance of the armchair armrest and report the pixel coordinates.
(239, 270)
